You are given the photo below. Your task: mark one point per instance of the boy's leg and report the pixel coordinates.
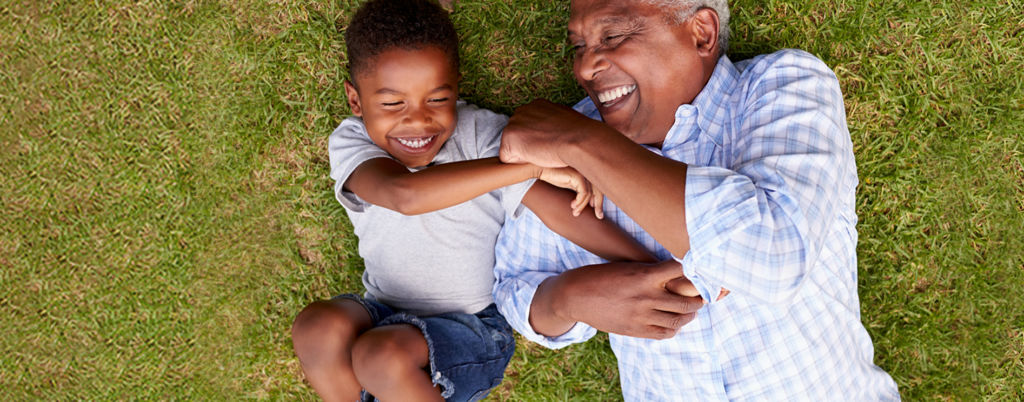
(323, 335)
(465, 355)
(390, 362)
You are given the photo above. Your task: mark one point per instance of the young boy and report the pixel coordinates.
(418, 176)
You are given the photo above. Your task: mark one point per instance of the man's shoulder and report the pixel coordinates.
(785, 62)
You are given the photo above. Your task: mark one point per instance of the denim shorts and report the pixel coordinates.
(468, 352)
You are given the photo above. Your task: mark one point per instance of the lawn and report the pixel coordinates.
(166, 210)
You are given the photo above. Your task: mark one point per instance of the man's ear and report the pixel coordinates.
(353, 99)
(704, 27)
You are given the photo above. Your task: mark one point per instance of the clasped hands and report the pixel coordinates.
(633, 299)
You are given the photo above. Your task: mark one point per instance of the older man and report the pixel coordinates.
(740, 176)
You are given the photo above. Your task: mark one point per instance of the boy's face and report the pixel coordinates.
(407, 102)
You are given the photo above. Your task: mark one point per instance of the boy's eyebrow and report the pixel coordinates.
(396, 92)
(441, 88)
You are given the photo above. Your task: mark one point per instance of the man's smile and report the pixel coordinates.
(611, 96)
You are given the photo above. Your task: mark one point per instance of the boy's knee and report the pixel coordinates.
(322, 325)
(381, 357)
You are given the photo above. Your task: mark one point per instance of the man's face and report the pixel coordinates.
(407, 102)
(635, 65)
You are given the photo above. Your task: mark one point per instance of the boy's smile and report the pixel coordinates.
(407, 101)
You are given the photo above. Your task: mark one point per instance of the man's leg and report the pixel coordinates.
(323, 335)
(390, 363)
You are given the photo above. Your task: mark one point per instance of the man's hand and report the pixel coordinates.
(571, 179)
(537, 130)
(640, 300)
(684, 287)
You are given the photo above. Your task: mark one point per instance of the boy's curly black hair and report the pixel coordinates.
(382, 25)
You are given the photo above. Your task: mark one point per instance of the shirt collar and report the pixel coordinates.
(710, 105)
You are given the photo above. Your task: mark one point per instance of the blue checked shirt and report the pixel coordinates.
(770, 213)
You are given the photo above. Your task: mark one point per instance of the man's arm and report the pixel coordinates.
(648, 187)
(598, 236)
(532, 289)
(762, 219)
(626, 298)
(386, 183)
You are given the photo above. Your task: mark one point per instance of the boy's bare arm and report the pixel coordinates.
(387, 183)
(598, 236)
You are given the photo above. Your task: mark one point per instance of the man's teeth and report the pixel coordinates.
(615, 93)
(415, 143)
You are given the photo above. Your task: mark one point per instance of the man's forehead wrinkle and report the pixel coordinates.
(631, 21)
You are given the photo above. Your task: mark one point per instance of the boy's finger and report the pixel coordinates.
(580, 203)
(597, 199)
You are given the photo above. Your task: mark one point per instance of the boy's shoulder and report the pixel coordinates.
(477, 133)
(470, 114)
(351, 127)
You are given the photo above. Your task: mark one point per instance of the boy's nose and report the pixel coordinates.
(417, 116)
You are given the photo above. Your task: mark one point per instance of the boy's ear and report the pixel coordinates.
(353, 99)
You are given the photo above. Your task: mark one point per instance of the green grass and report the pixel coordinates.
(166, 210)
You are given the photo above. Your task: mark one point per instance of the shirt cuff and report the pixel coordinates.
(524, 292)
(711, 215)
(707, 291)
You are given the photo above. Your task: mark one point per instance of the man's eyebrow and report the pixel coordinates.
(611, 20)
(614, 19)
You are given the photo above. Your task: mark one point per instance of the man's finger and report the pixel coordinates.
(671, 320)
(505, 154)
(682, 286)
(665, 271)
(673, 303)
(657, 332)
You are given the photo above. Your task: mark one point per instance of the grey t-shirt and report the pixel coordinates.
(436, 262)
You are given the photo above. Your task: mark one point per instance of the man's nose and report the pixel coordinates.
(590, 63)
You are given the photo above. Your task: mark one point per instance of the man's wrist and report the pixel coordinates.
(549, 315)
(575, 145)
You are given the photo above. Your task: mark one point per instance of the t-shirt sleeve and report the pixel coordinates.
(348, 147)
(488, 126)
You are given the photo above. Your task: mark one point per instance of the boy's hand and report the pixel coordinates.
(569, 178)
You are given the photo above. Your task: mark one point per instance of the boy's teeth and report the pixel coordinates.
(615, 93)
(414, 143)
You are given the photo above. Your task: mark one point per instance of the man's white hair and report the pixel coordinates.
(682, 10)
